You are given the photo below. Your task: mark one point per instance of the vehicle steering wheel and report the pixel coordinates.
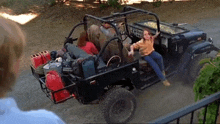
(115, 56)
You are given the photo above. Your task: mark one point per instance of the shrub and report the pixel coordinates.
(111, 3)
(157, 3)
(206, 84)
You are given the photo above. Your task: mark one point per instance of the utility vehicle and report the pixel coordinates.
(111, 85)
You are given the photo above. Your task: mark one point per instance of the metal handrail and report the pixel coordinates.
(188, 109)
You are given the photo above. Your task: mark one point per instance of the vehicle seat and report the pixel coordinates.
(138, 57)
(164, 42)
(83, 64)
(76, 52)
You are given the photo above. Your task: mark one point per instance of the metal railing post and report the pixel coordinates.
(191, 119)
(217, 112)
(204, 119)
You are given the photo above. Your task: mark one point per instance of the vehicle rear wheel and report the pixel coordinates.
(118, 105)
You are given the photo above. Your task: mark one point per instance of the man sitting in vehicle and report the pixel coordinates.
(110, 33)
(96, 36)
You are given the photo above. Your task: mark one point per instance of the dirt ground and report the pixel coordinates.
(49, 29)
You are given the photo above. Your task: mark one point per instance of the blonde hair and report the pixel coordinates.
(12, 42)
(94, 35)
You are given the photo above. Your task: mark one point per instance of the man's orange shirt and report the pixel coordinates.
(145, 48)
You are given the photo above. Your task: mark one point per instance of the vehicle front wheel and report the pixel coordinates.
(194, 67)
(118, 105)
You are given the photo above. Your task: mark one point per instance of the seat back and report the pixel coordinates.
(76, 51)
(88, 67)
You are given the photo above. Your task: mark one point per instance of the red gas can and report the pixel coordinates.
(36, 60)
(45, 55)
(54, 83)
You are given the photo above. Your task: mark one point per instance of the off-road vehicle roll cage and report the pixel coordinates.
(112, 19)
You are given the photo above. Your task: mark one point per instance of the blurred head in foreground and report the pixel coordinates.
(12, 42)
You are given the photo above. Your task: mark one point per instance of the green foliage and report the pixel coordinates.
(206, 60)
(114, 3)
(210, 115)
(111, 3)
(157, 3)
(206, 84)
(103, 6)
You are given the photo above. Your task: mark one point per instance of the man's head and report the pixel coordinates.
(12, 42)
(93, 33)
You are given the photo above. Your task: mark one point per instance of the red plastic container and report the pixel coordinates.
(45, 55)
(36, 60)
(54, 83)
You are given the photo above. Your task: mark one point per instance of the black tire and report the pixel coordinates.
(118, 105)
(194, 67)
